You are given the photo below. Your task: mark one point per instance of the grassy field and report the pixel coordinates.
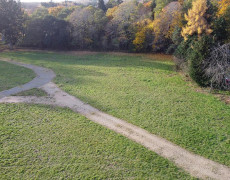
(32, 92)
(12, 75)
(145, 91)
(41, 142)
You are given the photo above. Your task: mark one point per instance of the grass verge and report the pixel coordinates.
(12, 75)
(32, 92)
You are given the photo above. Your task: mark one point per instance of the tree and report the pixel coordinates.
(223, 6)
(164, 25)
(227, 19)
(54, 11)
(88, 27)
(40, 13)
(160, 4)
(168, 19)
(101, 5)
(112, 3)
(33, 33)
(144, 36)
(197, 22)
(222, 27)
(199, 52)
(111, 11)
(12, 19)
(120, 31)
(48, 32)
(65, 13)
(49, 4)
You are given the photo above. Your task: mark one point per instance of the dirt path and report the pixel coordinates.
(43, 76)
(196, 165)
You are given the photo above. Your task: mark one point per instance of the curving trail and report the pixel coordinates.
(196, 165)
(43, 76)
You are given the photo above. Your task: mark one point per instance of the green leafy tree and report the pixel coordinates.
(48, 33)
(12, 19)
(40, 13)
(222, 22)
(66, 12)
(120, 30)
(200, 51)
(88, 27)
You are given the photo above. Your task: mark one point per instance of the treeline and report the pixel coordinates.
(152, 26)
(149, 26)
(190, 29)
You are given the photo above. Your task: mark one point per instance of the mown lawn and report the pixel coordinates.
(12, 75)
(146, 92)
(42, 142)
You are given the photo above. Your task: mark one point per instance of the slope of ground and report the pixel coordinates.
(144, 92)
(43, 142)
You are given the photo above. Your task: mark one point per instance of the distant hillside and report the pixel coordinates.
(88, 1)
(30, 5)
(34, 5)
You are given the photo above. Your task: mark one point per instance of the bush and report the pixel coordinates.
(200, 51)
(171, 49)
(184, 49)
(190, 55)
(181, 54)
(217, 67)
(180, 64)
(220, 29)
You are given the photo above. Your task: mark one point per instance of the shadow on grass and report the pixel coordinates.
(100, 60)
(78, 71)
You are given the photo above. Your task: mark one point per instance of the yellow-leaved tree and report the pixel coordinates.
(223, 6)
(140, 41)
(55, 10)
(110, 12)
(165, 23)
(197, 22)
(224, 12)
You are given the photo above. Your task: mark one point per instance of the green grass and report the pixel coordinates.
(42, 142)
(12, 75)
(32, 92)
(146, 92)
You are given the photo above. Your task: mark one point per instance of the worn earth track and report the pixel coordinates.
(196, 165)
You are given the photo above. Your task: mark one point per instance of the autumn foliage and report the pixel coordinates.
(54, 11)
(223, 6)
(142, 26)
(197, 22)
(188, 28)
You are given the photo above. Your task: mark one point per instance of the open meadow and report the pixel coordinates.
(115, 89)
(40, 141)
